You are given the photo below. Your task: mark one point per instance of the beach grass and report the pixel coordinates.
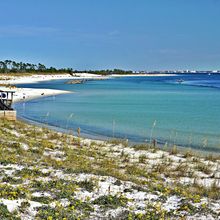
(53, 175)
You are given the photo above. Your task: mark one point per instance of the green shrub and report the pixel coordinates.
(110, 201)
(5, 214)
(9, 192)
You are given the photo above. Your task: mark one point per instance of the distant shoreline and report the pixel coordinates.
(8, 81)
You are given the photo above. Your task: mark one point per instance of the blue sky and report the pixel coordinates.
(100, 34)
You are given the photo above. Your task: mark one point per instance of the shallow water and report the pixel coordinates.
(136, 108)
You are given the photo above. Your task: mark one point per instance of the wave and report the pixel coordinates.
(209, 84)
(215, 84)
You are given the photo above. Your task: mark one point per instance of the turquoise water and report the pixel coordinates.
(136, 108)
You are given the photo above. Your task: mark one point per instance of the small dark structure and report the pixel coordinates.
(6, 99)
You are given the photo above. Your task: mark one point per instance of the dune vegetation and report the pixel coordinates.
(51, 175)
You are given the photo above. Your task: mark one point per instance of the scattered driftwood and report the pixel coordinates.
(76, 81)
(81, 81)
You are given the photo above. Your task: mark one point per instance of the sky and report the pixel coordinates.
(107, 34)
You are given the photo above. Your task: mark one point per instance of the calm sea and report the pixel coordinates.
(139, 109)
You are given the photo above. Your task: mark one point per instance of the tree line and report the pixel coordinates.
(105, 72)
(9, 66)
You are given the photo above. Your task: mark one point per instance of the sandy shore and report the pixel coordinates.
(22, 94)
(7, 79)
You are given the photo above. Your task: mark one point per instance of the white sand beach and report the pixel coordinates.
(35, 78)
(22, 94)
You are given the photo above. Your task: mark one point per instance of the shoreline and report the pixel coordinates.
(24, 94)
(27, 94)
(26, 79)
(102, 178)
(146, 74)
(100, 138)
(21, 94)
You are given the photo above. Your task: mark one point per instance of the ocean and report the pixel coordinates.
(182, 110)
